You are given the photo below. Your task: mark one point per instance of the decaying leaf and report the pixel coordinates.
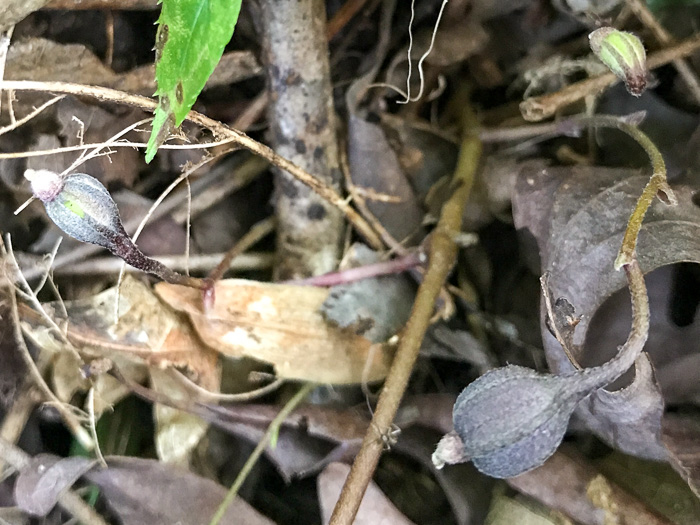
(681, 435)
(177, 432)
(45, 478)
(370, 154)
(147, 331)
(145, 491)
(577, 216)
(281, 325)
(309, 439)
(148, 338)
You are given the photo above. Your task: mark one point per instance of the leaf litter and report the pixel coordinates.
(243, 335)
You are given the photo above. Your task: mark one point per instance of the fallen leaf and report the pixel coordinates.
(506, 510)
(45, 478)
(148, 334)
(143, 491)
(177, 432)
(375, 308)
(562, 484)
(577, 217)
(375, 509)
(681, 435)
(310, 438)
(282, 325)
(370, 154)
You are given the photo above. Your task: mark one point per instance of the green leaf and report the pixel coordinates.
(191, 38)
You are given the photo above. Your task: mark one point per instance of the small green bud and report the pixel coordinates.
(624, 54)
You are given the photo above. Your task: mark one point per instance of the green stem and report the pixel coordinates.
(272, 430)
(657, 184)
(442, 255)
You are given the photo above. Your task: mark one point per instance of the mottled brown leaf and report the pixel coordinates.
(281, 325)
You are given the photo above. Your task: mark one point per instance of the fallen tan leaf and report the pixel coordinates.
(281, 325)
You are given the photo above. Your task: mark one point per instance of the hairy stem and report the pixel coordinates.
(442, 254)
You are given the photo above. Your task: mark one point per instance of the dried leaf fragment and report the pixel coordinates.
(281, 325)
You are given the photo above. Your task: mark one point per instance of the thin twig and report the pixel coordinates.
(198, 263)
(646, 17)
(342, 16)
(539, 108)
(118, 144)
(216, 397)
(69, 500)
(271, 431)
(394, 266)
(443, 251)
(220, 130)
(17, 123)
(5, 37)
(30, 295)
(80, 434)
(259, 231)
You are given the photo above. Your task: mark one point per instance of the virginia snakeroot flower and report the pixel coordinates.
(83, 208)
(624, 54)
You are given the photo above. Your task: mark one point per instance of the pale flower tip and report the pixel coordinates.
(46, 184)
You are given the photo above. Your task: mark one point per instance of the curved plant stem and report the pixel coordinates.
(657, 184)
(271, 432)
(220, 130)
(442, 254)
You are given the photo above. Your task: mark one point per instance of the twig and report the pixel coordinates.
(17, 416)
(442, 254)
(219, 129)
(303, 127)
(5, 37)
(198, 263)
(342, 16)
(130, 5)
(216, 397)
(394, 266)
(646, 17)
(69, 500)
(80, 434)
(118, 144)
(17, 123)
(271, 431)
(539, 108)
(252, 237)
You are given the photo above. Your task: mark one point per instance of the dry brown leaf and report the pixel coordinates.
(281, 325)
(148, 332)
(177, 432)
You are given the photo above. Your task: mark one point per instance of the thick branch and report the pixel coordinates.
(303, 129)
